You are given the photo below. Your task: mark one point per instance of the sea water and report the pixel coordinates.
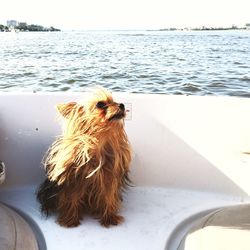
(168, 62)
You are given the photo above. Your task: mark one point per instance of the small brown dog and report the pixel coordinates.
(87, 167)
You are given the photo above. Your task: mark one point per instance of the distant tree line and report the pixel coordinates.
(26, 27)
(233, 27)
(3, 28)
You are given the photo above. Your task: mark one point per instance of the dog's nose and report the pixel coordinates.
(122, 107)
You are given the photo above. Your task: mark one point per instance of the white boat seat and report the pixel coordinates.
(224, 229)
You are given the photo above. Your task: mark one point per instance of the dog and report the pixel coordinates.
(87, 167)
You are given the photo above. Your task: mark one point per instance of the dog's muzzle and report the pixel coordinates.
(122, 107)
(120, 114)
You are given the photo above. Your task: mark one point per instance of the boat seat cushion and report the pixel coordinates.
(15, 232)
(224, 229)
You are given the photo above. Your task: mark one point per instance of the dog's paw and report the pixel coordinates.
(111, 220)
(69, 223)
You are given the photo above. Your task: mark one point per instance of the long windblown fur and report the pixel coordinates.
(87, 166)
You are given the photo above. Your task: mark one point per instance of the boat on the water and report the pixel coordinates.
(190, 172)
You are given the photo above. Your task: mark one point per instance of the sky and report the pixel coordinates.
(126, 14)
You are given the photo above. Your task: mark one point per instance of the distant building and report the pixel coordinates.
(12, 23)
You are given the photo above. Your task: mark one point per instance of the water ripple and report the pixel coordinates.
(198, 63)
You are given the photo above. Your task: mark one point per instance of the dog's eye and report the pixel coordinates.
(101, 105)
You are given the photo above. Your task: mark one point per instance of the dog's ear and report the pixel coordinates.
(65, 108)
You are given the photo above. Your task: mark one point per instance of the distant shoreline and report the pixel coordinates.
(38, 28)
(206, 29)
(23, 27)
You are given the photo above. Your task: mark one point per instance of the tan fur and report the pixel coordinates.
(87, 166)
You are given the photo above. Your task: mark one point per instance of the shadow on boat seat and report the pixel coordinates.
(224, 229)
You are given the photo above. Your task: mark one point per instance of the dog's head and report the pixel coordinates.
(98, 114)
